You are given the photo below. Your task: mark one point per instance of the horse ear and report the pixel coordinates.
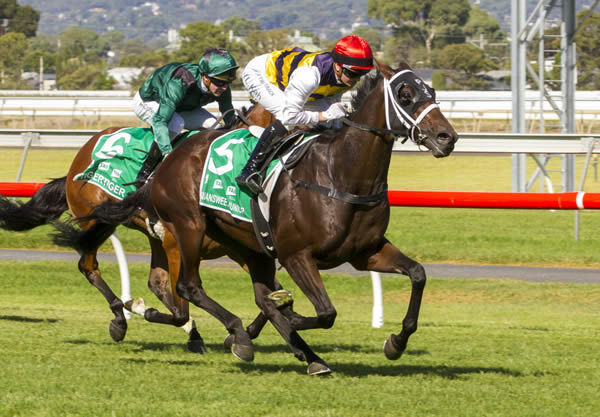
(403, 65)
(386, 70)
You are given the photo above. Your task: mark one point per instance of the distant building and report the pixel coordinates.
(497, 79)
(123, 76)
(173, 40)
(33, 79)
(304, 42)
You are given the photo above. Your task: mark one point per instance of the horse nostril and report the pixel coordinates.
(444, 137)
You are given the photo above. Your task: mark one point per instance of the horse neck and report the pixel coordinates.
(366, 156)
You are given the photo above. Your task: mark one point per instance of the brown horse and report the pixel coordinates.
(63, 194)
(328, 209)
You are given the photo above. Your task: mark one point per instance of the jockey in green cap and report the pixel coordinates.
(172, 98)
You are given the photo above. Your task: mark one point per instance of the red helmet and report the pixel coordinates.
(353, 52)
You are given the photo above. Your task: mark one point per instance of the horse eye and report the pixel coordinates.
(405, 98)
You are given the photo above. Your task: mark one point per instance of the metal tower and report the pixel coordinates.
(525, 33)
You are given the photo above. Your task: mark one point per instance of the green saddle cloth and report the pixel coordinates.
(117, 159)
(227, 157)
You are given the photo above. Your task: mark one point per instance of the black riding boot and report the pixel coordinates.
(249, 177)
(153, 157)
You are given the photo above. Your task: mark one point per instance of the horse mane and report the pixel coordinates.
(368, 83)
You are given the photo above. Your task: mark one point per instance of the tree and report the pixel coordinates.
(198, 37)
(80, 50)
(21, 19)
(262, 42)
(41, 45)
(148, 59)
(588, 60)
(12, 52)
(431, 18)
(372, 36)
(91, 77)
(31, 62)
(76, 42)
(404, 49)
(277, 18)
(8, 8)
(464, 57)
(240, 26)
(25, 21)
(462, 62)
(481, 23)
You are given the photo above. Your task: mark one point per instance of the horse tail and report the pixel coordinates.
(83, 241)
(122, 211)
(46, 205)
(105, 218)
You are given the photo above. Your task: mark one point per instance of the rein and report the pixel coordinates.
(242, 117)
(237, 112)
(376, 130)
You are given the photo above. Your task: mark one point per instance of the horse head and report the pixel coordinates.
(410, 105)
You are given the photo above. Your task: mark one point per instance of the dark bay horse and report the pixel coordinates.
(80, 198)
(329, 209)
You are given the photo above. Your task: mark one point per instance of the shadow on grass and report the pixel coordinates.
(218, 348)
(441, 371)
(398, 370)
(24, 319)
(162, 362)
(321, 348)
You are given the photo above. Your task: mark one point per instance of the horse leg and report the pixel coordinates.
(195, 343)
(259, 322)
(262, 271)
(305, 274)
(88, 265)
(190, 234)
(389, 259)
(158, 283)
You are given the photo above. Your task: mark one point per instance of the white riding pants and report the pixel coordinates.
(191, 120)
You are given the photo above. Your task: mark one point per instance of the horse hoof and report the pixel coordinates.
(117, 332)
(243, 352)
(228, 342)
(196, 346)
(318, 368)
(391, 352)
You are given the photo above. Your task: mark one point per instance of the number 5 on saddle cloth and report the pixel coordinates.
(228, 155)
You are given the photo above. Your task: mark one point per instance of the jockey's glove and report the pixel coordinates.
(335, 111)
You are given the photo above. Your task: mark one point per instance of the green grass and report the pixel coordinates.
(483, 348)
(531, 237)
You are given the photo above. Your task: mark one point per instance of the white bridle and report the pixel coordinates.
(411, 124)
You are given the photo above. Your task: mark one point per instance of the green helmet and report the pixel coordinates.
(218, 63)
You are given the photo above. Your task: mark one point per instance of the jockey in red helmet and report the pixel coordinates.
(353, 54)
(301, 88)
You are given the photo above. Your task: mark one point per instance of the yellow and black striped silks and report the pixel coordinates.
(281, 64)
